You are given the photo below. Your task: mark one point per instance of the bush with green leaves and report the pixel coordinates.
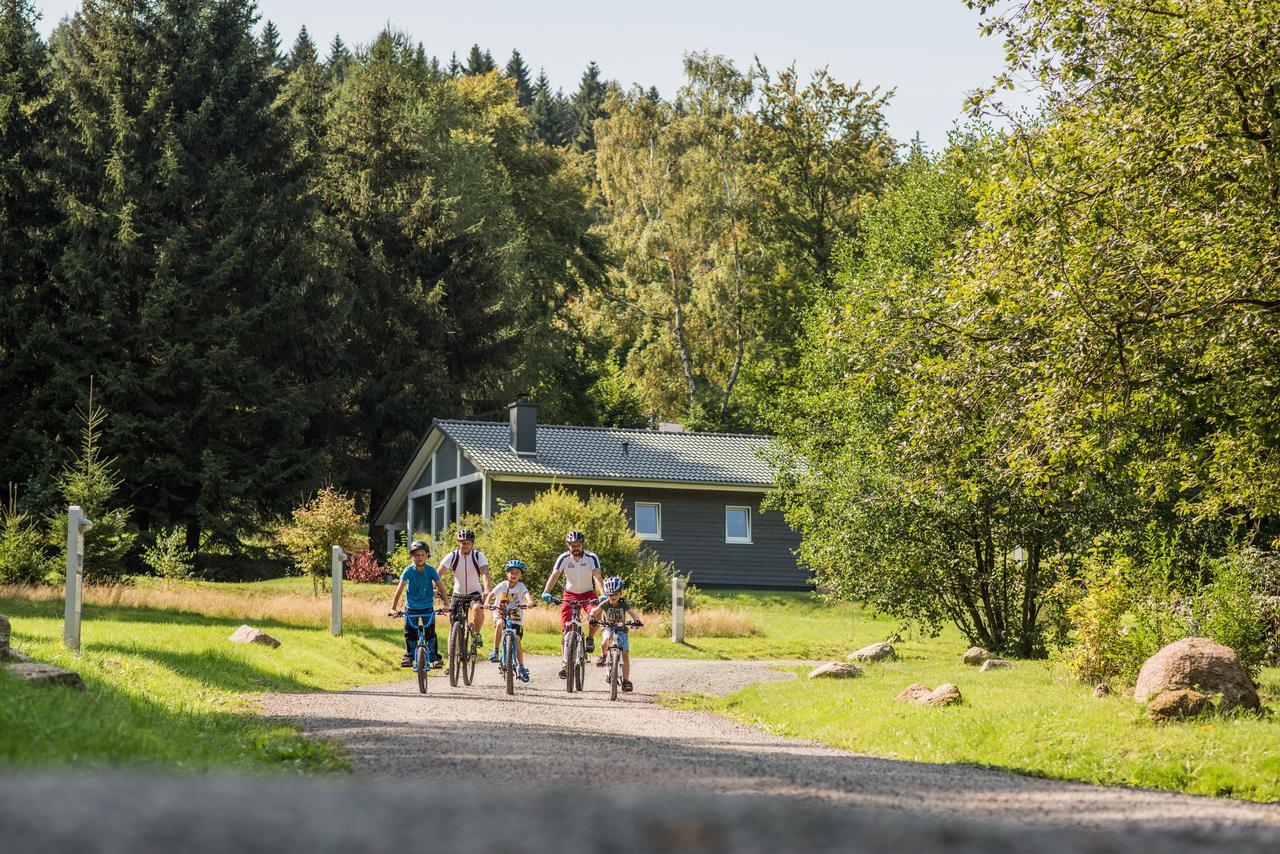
(1232, 609)
(327, 520)
(169, 556)
(22, 550)
(534, 533)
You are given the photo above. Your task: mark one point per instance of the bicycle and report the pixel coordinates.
(508, 660)
(574, 649)
(613, 652)
(421, 658)
(462, 635)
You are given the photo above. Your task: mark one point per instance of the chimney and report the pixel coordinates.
(524, 427)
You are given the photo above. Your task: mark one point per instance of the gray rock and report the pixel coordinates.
(835, 670)
(248, 634)
(35, 673)
(1201, 665)
(995, 664)
(876, 652)
(976, 655)
(1178, 705)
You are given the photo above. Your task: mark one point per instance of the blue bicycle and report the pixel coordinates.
(508, 660)
(421, 656)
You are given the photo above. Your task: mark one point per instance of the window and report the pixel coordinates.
(648, 521)
(737, 524)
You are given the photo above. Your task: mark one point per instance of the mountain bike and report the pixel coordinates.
(462, 640)
(613, 652)
(421, 657)
(508, 658)
(574, 649)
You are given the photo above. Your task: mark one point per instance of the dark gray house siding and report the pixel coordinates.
(693, 527)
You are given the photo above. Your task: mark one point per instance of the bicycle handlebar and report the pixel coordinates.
(425, 613)
(625, 623)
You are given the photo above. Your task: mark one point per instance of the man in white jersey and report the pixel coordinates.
(470, 570)
(581, 571)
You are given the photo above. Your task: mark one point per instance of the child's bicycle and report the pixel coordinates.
(421, 658)
(574, 649)
(508, 660)
(462, 645)
(613, 653)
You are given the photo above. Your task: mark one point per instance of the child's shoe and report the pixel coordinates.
(493, 656)
(523, 673)
(476, 642)
(407, 661)
(626, 685)
(600, 660)
(591, 644)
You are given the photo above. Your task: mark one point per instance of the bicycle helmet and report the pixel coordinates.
(419, 544)
(465, 534)
(612, 585)
(574, 536)
(514, 563)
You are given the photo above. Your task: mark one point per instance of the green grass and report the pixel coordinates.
(1034, 719)
(169, 689)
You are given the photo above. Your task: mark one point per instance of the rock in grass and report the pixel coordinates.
(35, 673)
(248, 634)
(945, 694)
(995, 664)
(4, 637)
(1178, 705)
(1201, 665)
(914, 692)
(876, 652)
(1102, 689)
(976, 655)
(835, 670)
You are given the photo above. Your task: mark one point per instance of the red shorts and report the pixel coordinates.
(566, 609)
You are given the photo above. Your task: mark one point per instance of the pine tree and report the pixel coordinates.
(519, 74)
(455, 67)
(271, 45)
(587, 105)
(338, 56)
(304, 50)
(549, 114)
(479, 62)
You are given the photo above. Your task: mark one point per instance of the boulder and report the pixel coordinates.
(1102, 689)
(976, 655)
(35, 673)
(835, 670)
(876, 652)
(995, 664)
(4, 637)
(945, 694)
(1201, 665)
(1177, 705)
(913, 692)
(248, 634)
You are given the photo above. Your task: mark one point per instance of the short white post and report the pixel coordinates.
(677, 609)
(77, 524)
(335, 585)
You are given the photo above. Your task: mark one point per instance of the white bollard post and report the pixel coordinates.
(677, 609)
(77, 524)
(335, 585)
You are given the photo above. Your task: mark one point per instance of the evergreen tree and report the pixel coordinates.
(338, 56)
(200, 244)
(304, 50)
(519, 74)
(586, 106)
(549, 114)
(455, 67)
(271, 45)
(479, 61)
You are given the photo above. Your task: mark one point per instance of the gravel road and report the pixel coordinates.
(479, 736)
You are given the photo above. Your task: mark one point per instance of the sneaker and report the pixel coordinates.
(523, 673)
(600, 660)
(493, 656)
(437, 660)
(591, 644)
(407, 661)
(564, 672)
(476, 643)
(626, 685)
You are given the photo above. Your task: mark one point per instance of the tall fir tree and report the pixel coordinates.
(339, 55)
(519, 74)
(587, 105)
(271, 43)
(455, 67)
(549, 116)
(479, 61)
(304, 50)
(190, 239)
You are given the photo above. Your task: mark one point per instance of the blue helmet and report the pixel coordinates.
(612, 585)
(514, 563)
(574, 536)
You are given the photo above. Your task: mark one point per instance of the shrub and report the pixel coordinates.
(22, 555)
(330, 519)
(169, 557)
(363, 567)
(1232, 611)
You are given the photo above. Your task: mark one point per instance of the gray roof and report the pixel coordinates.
(597, 453)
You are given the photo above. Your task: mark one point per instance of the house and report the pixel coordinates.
(695, 497)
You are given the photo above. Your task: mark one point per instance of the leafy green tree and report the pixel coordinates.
(519, 74)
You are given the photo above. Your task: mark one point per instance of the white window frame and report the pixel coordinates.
(738, 540)
(657, 506)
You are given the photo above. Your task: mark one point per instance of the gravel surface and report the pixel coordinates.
(479, 736)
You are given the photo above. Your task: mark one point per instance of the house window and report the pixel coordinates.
(648, 520)
(737, 524)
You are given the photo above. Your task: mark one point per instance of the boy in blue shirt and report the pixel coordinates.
(420, 582)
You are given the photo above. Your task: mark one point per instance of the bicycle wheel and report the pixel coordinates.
(470, 656)
(570, 665)
(456, 639)
(580, 673)
(420, 665)
(509, 659)
(615, 674)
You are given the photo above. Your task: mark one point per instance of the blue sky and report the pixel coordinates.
(930, 51)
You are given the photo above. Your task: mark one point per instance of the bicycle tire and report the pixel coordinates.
(456, 636)
(615, 669)
(570, 665)
(580, 674)
(469, 655)
(509, 656)
(422, 669)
